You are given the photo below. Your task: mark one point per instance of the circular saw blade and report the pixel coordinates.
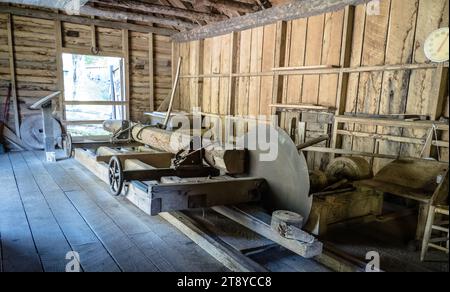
(32, 131)
(287, 176)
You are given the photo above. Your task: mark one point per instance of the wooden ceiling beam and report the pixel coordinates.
(264, 4)
(227, 5)
(41, 14)
(294, 10)
(61, 4)
(123, 15)
(162, 9)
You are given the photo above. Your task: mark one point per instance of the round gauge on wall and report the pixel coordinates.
(436, 45)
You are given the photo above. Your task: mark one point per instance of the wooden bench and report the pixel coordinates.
(424, 181)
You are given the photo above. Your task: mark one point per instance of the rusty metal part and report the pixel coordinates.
(318, 180)
(313, 142)
(351, 168)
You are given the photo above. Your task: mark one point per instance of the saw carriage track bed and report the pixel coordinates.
(49, 210)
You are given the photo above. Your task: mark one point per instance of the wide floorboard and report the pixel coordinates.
(51, 214)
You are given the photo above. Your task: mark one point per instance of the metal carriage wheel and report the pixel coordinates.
(68, 145)
(115, 176)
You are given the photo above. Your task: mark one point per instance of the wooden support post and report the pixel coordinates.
(301, 132)
(436, 103)
(280, 46)
(12, 70)
(346, 49)
(126, 55)
(151, 72)
(440, 83)
(174, 57)
(233, 63)
(59, 68)
(196, 65)
(49, 139)
(94, 48)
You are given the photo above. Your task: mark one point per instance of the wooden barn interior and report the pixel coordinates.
(99, 172)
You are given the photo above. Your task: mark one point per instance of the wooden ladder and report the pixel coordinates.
(441, 225)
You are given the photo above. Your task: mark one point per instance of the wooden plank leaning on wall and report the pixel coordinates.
(12, 68)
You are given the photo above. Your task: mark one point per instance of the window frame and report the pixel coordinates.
(125, 102)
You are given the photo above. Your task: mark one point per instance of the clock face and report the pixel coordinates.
(436, 45)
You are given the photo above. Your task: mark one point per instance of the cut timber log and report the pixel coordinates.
(289, 225)
(230, 161)
(306, 250)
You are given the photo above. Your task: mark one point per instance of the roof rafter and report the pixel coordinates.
(161, 9)
(123, 15)
(36, 13)
(227, 5)
(294, 10)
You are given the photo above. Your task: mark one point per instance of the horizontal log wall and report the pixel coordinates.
(395, 36)
(35, 58)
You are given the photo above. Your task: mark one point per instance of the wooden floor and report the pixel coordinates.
(48, 210)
